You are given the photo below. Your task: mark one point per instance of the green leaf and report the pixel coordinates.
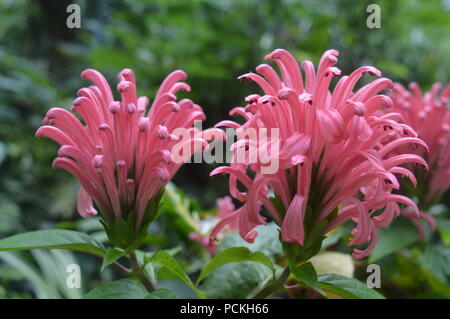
(348, 288)
(41, 288)
(161, 294)
(443, 225)
(112, 254)
(53, 268)
(119, 289)
(267, 242)
(232, 255)
(239, 280)
(236, 280)
(434, 260)
(400, 234)
(53, 239)
(164, 259)
(307, 275)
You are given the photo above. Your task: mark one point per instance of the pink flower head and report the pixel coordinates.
(429, 114)
(334, 154)
(121, 152)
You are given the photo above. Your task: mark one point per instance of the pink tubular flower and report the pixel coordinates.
(334, 155)
(121, 154)
(226, 216)
(429, 114)
(225, 209)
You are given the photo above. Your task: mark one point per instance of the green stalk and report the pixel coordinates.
(275, 285)
(139, 272)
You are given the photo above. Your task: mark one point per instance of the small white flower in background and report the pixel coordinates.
(334, 262)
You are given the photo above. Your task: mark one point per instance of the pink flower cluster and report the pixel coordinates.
(121, 152)
(339, 152)
(336, 153)
(429, 114)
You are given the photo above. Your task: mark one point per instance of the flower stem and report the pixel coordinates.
(139, 272)
(275, 285)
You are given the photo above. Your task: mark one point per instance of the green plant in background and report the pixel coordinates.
(49, 280)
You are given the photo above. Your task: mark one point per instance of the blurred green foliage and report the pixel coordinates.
(214, 41)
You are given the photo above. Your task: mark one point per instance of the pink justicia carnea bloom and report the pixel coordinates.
(429, 114)
(335, 154)
(121, 154)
